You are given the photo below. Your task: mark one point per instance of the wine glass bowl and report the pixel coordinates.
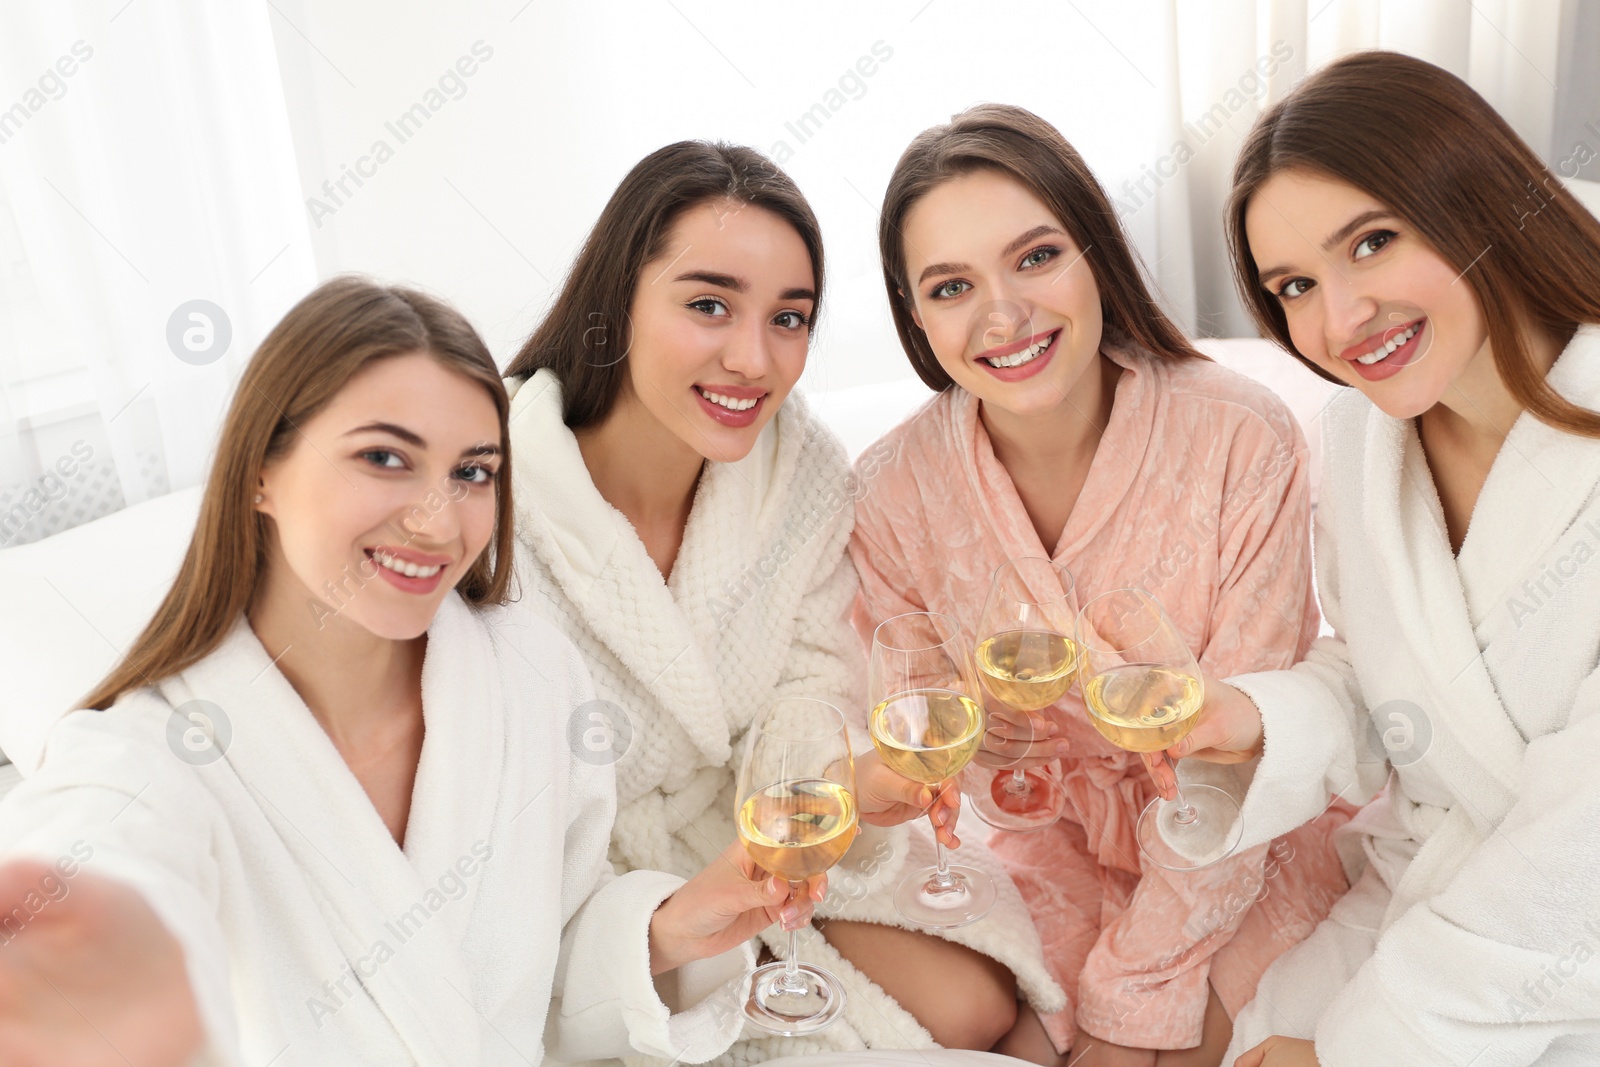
(1027, 658)
(1143, 693)
(796, 818)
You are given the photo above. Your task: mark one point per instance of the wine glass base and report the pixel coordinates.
(813, 1004)
(1213, 834)
(921, 900)
(993, 798)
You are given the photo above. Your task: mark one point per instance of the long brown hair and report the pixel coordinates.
(336, 330)
(585, 337)
(1420, 140)
(1020, 144)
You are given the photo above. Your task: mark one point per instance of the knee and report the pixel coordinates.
(977, 1011)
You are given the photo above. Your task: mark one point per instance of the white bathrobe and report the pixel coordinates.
(311, 938)
(1468, 685)
(757, 607)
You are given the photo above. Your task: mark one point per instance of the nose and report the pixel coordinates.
(749, 352)
(1005, 318)
(1349, 311)
(431, 521)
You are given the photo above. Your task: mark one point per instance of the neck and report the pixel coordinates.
(353, 681)
(1057, 436)
(639, 466)
(1477, 409)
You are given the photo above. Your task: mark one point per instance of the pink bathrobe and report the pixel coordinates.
(1198, 492)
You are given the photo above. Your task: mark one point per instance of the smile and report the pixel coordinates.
(1389, 348)
(400, 566)
(1026, 355)
(731, 403)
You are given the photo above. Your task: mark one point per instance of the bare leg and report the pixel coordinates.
(1213, 1042)
(964, 998)
(1029, 1041)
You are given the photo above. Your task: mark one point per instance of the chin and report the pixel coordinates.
(401, 624)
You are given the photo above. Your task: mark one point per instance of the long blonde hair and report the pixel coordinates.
(337, 329)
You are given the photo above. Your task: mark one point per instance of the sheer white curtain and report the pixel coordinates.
(1511, 51)
(145, 164)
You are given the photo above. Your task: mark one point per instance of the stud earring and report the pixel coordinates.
(258, 498)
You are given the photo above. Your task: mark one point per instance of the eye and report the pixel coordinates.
(710, 302)
(791, 320)
(1039, 257)
(381, 457)
(475, 474)
(947, 290)
(1373, 242)
(1294, 287)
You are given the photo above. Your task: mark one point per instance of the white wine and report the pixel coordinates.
(1141, 707)
(1028, 670)
(798, 828)
(927, 735)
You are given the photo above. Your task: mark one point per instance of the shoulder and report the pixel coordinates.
(805, 442)
(531, 650)
(920, 442)
(1207, 396)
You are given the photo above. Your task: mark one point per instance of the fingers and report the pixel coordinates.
(1163, 772)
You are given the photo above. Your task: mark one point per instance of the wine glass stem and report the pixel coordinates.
(941, 873)
(1186, 814)
(1018, 784)
(791, 966)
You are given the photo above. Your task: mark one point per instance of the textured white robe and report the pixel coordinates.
(757, 607)
(311, 938)
(1467, 685)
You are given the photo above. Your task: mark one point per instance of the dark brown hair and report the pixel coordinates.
(585, 337)
(336, 330)
(1421, 141)
(1023, 146)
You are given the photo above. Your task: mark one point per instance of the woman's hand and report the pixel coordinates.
(92, 976)
(1228, 731)
(884, 798)
(727, 903)
(1280, 1052)
(1019, 740)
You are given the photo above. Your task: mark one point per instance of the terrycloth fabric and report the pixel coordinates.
(1467, 684)
(311, 937)
(1197, 492)
(757, 608)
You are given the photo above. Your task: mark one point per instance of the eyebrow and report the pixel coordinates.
(1336, 237)
(412, 438)
(738, 285)
(1015, 246)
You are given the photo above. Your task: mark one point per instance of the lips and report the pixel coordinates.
(1388, 353)
(408, 570)
(1021, 359)
(731, 405)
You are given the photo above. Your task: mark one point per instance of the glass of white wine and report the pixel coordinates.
(927, 724)
(1027, 659)
(1142, 688)
(796, 817)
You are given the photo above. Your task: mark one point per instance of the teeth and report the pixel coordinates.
(399, 566)
(1386, 350)
(1017, 359)
(729, 402)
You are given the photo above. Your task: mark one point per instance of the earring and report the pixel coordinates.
(258, 498)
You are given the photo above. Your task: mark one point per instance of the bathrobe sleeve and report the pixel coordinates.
(1263, 616)
(111, 799)
(1313, 718)
(1500, 963)
(605, 1002)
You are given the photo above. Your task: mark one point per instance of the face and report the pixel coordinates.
(386, 497)
(1366, 298)
(720, 327)
(1006, 298)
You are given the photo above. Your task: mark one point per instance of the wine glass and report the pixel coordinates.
(1142, 687)
(796, 817)
(927, 724)
(1027, 659)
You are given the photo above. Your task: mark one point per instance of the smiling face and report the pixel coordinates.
(719, 327)
(1366, 298)
(1008, 303)
(386, 497)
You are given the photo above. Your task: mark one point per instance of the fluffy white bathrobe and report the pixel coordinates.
(311, 937)
(1468, 685)
(757, 607)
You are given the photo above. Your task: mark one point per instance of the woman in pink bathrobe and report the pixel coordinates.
(1074, 421)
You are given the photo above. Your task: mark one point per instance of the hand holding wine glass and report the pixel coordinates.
(1027, 659)
(926, 725)
(1229, 731)
(1143, 691)
(887, 798)
(796, 817)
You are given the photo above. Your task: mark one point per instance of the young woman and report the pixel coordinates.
(1391, 231)
(684, 519)
(1073, 421)
(325, 809)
